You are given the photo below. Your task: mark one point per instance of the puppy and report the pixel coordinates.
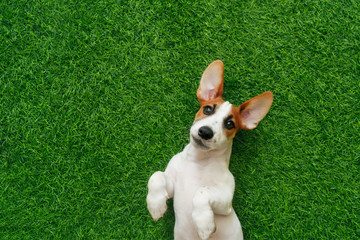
(198, 178)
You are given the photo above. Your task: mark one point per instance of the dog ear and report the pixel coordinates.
(254, 110)
(211, 83)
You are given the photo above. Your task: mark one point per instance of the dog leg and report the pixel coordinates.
(160, 188)
(206, 202)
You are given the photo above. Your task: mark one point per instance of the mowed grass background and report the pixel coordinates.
(96, 96)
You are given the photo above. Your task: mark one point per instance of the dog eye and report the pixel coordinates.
(207, 110)
(229, 124)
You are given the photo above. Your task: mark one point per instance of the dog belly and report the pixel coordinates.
(185, 190)
(184, 227)
(227, 227)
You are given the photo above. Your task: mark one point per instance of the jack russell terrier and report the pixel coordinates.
(198, 178)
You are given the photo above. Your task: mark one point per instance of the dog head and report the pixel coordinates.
(218, 121)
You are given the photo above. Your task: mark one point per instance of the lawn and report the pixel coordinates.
(95, 96)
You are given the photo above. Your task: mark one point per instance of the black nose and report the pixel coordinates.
(205, 133)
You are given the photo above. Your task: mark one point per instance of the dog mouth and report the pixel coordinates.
(199, 142)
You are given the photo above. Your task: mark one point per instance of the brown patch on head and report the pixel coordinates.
(214, 102)
(233, 115)
(230, 133)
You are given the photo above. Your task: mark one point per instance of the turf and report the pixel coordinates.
(96, 96)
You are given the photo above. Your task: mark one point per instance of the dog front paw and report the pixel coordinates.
(206, 232)
(204, 224)
(157, 195)
(156, 205)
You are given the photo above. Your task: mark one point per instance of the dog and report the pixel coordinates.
(198, 178)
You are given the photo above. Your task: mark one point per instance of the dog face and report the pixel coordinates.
(218, 121)
(215, 125)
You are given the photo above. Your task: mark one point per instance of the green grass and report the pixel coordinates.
(96, 96)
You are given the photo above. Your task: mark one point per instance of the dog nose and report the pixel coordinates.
(205, 133)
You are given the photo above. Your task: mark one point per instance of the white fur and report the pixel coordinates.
(201, 184)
